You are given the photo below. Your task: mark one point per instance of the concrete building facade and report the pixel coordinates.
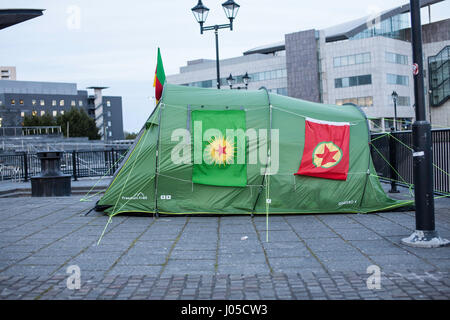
(360, 62)
(20, 98)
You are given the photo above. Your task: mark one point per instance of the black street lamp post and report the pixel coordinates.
(245, 79)
(394, 98)
(200, 12)
(425, 235)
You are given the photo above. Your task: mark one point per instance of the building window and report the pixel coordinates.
(80, 103)
(396, 58)
(108, 103)
(72, 103)
(22, 114)
(62, 112)
(265, 75)
(397, 79)
(21, 101)
(42, 112)
(109, 134)
(359, 101)
(109, 123)
(54, 103)
(1, 120)
(393, 27)
(33, 102)
(13, 101)
(108, 113)
(402, 101)
(353, 81)
(55, 113)
(42, 102)
(351, 59)
(61, 103)
(282, 91)
(34, 113)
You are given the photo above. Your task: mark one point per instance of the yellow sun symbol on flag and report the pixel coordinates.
(220, 151)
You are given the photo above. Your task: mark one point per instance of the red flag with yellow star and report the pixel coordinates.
(326, 150)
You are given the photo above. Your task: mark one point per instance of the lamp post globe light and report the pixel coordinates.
(200, 12)
(246, 78)
(394, 98)
(230, 81)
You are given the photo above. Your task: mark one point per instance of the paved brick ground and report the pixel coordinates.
(307, 256)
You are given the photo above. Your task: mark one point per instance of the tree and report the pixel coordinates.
(38, 121)
(80, 124)
(130, 135)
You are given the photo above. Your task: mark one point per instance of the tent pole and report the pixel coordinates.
(370, 155)
(269, 145)
(157, 159)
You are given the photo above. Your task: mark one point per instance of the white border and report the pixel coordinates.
(327, 122)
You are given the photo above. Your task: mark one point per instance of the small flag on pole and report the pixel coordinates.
(160, 78)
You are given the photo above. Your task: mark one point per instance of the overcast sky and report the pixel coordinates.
(113, 43)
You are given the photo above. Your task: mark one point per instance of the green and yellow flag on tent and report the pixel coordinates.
(160, 78)
(219, 160)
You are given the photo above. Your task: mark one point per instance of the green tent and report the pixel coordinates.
(160, 173)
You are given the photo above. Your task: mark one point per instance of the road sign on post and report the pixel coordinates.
(415, 69)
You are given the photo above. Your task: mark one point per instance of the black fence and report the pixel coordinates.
(389, 153)
(20, 167)
(392, 158)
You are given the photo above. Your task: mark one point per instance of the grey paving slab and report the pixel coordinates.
(306, 256)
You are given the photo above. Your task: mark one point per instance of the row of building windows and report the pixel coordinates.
(281, 91)
(257, 76)
(54, 113)
(397, 79)
(393, 27)
(268, 75)
(353, 81)
(396, 58)
(61, 102)
(367, 79)
(34, 102)
(351, 59)
(359, 101)
(402, 101)
(361, 58)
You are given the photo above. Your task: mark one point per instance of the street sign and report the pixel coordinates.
(415, 69)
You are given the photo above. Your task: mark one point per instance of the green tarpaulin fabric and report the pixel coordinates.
(149, 180)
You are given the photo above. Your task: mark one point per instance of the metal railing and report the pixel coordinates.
(30, 131)
(389, 153)
(20, 167)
